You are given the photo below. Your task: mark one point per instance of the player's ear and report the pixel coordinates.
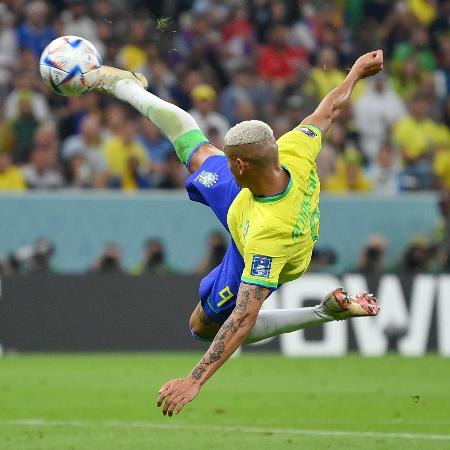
(241, 165)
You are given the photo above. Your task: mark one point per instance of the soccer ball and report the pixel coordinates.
(70, 65)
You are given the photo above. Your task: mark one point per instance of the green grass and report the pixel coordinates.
(107, 402)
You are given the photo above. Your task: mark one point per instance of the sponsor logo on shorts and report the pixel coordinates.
(308, 132)
(261, 266)
(208, 179)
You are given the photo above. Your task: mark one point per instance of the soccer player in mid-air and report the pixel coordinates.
(266, 194)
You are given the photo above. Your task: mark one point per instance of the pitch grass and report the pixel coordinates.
(107, 402)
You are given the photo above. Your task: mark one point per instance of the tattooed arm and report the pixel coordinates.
(233, 332)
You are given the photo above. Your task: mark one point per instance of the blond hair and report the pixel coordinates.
(249, 132)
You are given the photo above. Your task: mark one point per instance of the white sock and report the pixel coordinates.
(272, 322)
(169, 118)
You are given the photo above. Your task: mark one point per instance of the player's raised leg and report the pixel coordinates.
(191, 145)
(337, 305)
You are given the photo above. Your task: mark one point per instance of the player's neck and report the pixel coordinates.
(272, 183)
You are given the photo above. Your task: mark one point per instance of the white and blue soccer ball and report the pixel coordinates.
(70, 65)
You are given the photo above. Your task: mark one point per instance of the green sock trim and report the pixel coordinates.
(187, 142)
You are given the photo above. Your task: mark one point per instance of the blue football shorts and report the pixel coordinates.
(213, 185)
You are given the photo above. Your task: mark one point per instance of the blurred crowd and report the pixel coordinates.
(227, 61)
(424, 254)
(37, 257)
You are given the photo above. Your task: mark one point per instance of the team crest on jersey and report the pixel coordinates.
(308, 132)
(208, 179)
(261, 266)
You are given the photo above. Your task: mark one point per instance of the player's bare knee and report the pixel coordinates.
(201, 328)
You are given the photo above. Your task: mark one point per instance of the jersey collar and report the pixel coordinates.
(275, 198)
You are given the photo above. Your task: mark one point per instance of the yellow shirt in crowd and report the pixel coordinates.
(419, 137)
(12, 180)
(118, 154)
(339, 182)
(132, 57)
(321, 82)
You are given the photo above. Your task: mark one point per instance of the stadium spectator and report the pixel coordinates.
(8, 47)
(397, 25)
(417, 257)
(279, 62)
(325, 76)
(132, 55)
(36, 257)
(127, 160)
(154, 260)
(406, 78)
(110, 260)
(24, 87)
(197, 42)
(322, 259)
(425, 11)
(418, 46)
(238, 36)
(11, 178)
(161, 79)
(384, 172)
(76, 22)
(443, 74)
(115, 116)
(243, 88)
(17, 133)
(217, 246)
(181, 92)
(371, 261)
(175, 174)
(442, 235)
(375, 112)
(70, 117)
(428, 88)
(332, 148)
(256, 55)
(349, 176)
(42, 171)
(158, 148)
(418, 137)
(35, 33)
(204, 99)
(84, 155)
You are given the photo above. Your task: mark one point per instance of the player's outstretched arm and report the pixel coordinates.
(329, 108)
(176, 393)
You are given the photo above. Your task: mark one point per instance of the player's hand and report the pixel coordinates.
(176, 393)
(368, 64)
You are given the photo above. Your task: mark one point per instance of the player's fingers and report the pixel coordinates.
(165, 386)
(164, 394)
(180, 405)
(174, 402)
(168, 403)
(166, 406)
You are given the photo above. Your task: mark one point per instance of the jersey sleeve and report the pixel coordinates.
(304, 141)
(264, 258)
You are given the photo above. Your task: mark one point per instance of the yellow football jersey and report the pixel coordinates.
(275, 235)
